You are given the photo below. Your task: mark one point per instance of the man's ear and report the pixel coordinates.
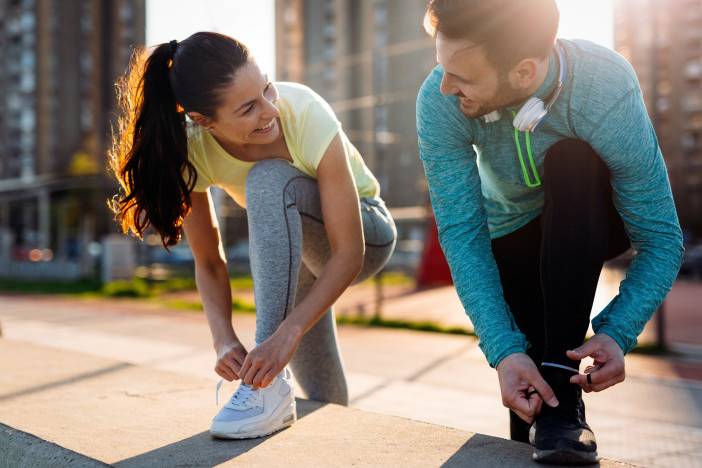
(524, 73)
(200, 119)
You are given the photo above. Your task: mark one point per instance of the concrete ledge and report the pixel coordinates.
(88, 411)
(19, 450)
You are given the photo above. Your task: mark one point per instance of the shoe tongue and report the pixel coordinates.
(242, 397)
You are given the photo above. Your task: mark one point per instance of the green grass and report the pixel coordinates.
(143, 287)
(238, 305)
(174, 285)
(136, 288)
(401, 324)
(393, 278)
(50, 287)
(241, 282)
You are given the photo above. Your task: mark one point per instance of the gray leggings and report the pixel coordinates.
(288, 248)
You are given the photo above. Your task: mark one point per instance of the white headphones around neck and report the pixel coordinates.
(535, 110)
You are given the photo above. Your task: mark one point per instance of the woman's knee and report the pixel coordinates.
(268, 172)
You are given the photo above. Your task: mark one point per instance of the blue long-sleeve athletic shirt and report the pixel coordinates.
(478, 191)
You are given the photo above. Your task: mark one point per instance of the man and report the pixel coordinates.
(542, 164)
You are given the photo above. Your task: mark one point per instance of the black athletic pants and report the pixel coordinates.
(550, 267)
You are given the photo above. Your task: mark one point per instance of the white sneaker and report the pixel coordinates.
(256, 413)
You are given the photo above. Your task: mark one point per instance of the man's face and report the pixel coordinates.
(468, 75)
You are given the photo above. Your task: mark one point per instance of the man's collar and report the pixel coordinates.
(549, 84)
(551, 79)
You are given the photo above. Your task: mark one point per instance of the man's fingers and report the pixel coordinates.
(609, 371)
(609, 374)
(524, 417)
(543, 388)
(581, 352)
(535, 402)
(598, 387)
(520, 404)
(581, 379)
(522, 408)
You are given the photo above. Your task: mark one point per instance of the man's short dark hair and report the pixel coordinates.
(510, 30)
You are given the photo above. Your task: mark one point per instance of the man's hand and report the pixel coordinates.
(523, 388)
(608, 368)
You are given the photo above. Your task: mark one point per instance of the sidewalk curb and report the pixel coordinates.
(20, 449)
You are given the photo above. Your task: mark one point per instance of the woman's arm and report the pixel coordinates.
(212, 279)
(344, 229)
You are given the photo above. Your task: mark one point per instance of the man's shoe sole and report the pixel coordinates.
(287, 418)
(565, 457)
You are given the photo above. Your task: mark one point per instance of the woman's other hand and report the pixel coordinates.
(230, 358)
(269, 358)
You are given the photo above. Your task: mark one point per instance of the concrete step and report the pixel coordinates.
(67, 408)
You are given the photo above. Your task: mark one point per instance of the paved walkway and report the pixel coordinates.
(652, 419)
(70, 408)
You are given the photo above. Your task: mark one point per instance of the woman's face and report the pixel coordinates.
(247, 115)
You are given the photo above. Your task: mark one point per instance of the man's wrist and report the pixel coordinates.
(507, 355)
(617, 337)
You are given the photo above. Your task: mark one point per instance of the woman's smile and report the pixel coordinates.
(266, 128)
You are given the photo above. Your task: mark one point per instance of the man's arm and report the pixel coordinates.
(445, 147)
(626, 141)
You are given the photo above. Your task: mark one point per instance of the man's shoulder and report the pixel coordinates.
(599, 69)
(430, 91)
(601, 80)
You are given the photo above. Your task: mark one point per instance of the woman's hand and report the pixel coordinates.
(266, 361)
(230, 358)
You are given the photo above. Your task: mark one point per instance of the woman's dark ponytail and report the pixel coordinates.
(149, 154)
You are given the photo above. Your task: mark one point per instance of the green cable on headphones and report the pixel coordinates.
(532, 164)
(530, 115)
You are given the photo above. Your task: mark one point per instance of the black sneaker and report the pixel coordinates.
(561, 435)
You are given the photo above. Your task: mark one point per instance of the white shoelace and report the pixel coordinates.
(240, 398)
(560, 366)
(219, 385)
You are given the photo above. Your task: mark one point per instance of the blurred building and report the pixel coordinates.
(663, 41)
(58, 64)
(368, 58)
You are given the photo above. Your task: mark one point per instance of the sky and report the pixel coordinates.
(250, 21)
(253, 22)
(587, 19)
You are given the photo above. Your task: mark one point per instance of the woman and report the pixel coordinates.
(316, 221)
